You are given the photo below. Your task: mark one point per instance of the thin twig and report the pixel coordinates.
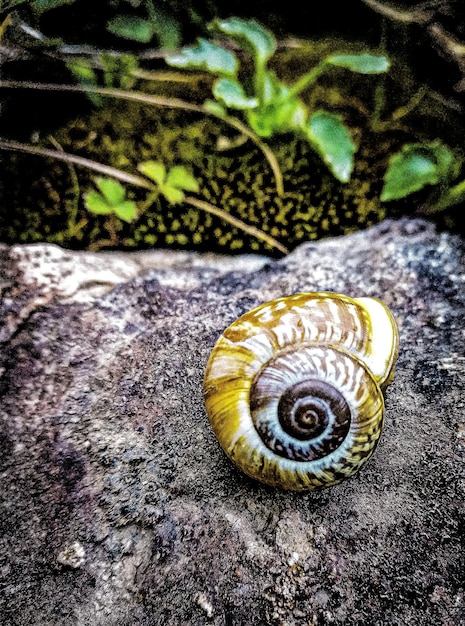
(417, 15)
(234, 221)
(73, 226)
(174, 103)
(131, 179)
(161, 76)
(139, 181)
(266, 150)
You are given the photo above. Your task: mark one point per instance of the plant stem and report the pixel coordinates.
(452, 196)
(308, 79)
(380, 88)
(73, 229)
(149, 200)
(407, 108)
(266, 150)
(161, 76)
(380, 100)
(234, 221)
(175, 103)
(259, 82)
(139, 181)
(418, 15)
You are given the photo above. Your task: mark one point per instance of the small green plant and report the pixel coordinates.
(46, 5)
(421, 165)
(113, 72)
(169, 183)
(110, 199)
(148, 23)
(268, 105)
(138, 21)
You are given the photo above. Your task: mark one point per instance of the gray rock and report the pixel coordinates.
(118, 505)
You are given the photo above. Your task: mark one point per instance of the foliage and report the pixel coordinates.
(154, 22)
(141, 22)
(256, 103)
(172, 183)
(419, 165)
(332, 140)
(268, 105)
(115, 72)
(110, 199)
(45, 5)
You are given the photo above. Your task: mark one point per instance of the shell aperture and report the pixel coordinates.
(293, 388)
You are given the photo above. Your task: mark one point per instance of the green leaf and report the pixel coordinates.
(232, 95)
(250, 35)
(328, 134)
(205, 56)
(96, 203)
(215, 108)
(118, 70)
(273, 89)
(180, 178)
(86, 75)
(449, 163)
(111, 190)
(451, 196)
(126, 211)
(83, 71)
(415, 166)
(44, 5)
(166, 28)
(361, 63)
(173, 195)
(131, 27)
(278, 117)
(154, 170)
(110, 199)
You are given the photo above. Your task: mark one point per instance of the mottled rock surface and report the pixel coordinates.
(118, 506)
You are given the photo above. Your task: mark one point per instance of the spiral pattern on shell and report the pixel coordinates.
(294, 388)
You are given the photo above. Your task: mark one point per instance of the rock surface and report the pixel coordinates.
(118, 505)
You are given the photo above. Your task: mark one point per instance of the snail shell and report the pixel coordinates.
(293, 388)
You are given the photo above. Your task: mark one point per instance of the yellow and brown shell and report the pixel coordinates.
(294, 388)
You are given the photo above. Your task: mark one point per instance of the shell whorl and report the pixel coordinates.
(293, 388)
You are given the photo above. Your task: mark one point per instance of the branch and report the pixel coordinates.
(234, 221)
(416, 15)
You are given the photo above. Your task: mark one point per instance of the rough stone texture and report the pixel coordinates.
(119, 507)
